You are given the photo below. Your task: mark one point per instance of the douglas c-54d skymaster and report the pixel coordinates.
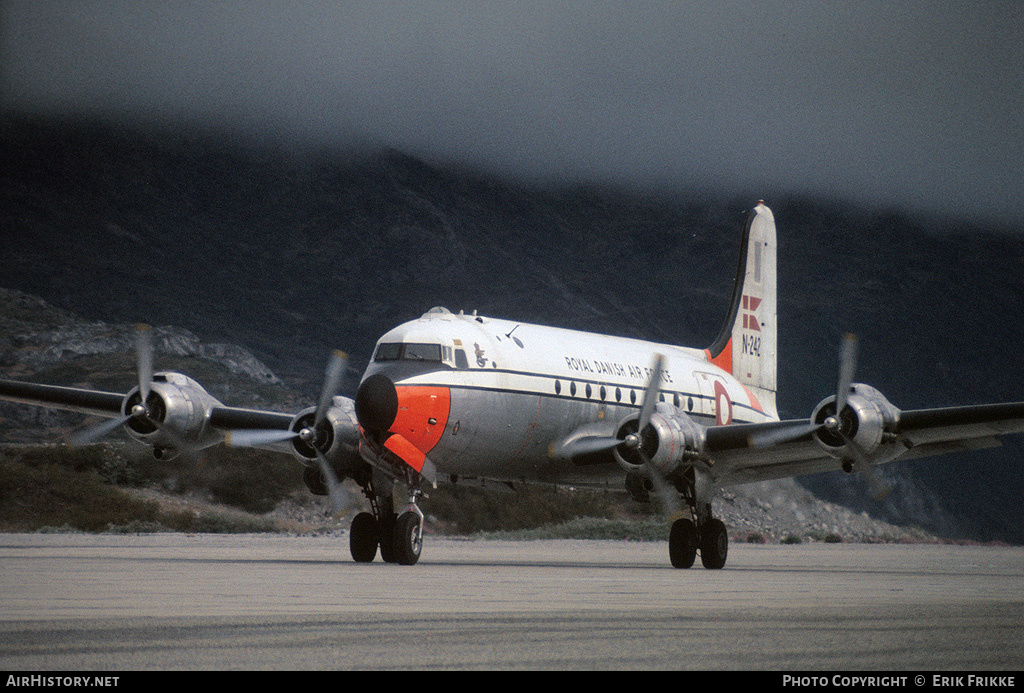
(453, 395)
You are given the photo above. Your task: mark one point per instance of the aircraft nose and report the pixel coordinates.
(377, 403)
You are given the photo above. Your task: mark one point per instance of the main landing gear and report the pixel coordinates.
(398, 535)
(707, 535)
(685, 539)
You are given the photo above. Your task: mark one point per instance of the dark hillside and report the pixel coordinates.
(291, 254)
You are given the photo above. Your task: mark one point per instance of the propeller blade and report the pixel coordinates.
(651, 393)
(94, 433)
(144, 355)
(767, 439)
(333, 377)
(591, 444)
(847, 368)
(256, 437)
(864, 464)
(144, 366)
(339, 498)
(860, 457)
(668, 498)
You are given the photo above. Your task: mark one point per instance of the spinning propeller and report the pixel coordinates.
(834, 425)
(140, 410)
(634, 442)
(333, 377)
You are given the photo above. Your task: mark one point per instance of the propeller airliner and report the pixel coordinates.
(450, 396)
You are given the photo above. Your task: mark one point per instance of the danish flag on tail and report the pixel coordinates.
(750, 303)
(746, 346)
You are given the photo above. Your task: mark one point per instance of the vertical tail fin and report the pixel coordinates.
(746, 346)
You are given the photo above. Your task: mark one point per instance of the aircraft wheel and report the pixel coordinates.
(408, 538)
(362, 538)
(682, 543)
(714, 544)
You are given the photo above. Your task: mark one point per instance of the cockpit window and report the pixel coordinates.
(408, 352)
(388, 352)
(421, 352)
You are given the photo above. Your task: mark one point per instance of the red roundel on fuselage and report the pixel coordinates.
(723, 405)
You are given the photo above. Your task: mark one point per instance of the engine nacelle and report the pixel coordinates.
(336, 438)
(670, 439)
(865, 420)
(177, 411)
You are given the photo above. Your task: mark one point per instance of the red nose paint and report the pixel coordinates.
(422, 415)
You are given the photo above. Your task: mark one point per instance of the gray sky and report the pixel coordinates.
(904, 102)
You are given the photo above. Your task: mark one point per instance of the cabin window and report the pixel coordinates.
(460, 359)
(572, 389)
(558, 387)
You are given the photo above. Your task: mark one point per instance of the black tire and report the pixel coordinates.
(682, 543)
(408, 538)
(714, 544)
(362, 538)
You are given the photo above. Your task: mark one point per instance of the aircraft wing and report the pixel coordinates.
(108, 404)
(234, 418)
(176, 403)
(92, 402)
(735, 458)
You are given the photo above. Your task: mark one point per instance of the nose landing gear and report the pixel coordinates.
(399, 536)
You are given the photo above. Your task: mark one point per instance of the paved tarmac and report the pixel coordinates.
(175, 601)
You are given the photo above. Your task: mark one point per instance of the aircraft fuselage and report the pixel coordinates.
(482, 396)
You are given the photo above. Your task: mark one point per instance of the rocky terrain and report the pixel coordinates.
(36, 336)
(783, 509)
